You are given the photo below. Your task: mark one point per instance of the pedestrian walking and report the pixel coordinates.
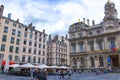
(41, 76)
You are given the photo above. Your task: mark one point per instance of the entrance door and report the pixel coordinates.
(115, 60)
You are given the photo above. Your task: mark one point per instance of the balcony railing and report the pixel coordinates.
(117, 50)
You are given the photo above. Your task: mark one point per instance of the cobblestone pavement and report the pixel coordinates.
(75, 76)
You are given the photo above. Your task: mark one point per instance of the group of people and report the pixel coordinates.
(63, 73)
(38, 74)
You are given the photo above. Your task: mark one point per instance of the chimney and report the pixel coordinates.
(93, 22)
(56, 38)
(30, 25)
(88, 22)
(43, 30)
(9, 16)
(84, 20)
(1, 10)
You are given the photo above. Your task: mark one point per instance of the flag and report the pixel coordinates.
(113, 48)
(109, 61)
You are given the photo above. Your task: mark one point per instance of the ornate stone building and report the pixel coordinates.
(58, 51)
(96, 45)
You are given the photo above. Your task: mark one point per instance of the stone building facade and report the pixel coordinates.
(58, 51)
(21, 43)
(96, 45)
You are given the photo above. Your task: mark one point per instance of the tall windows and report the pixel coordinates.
(82, 61)
(1, 56)
(19, 34)
(4, 38)
(24, 49)
(16, 58)
(6, 22)
(12, 40)
(112, 44)
(13, 31)
(23, 58)
(11, 48)
(29, 59)
(30, 43)
(6, 29)
(17, 50)
(81, 47)
(29, 50)
(25, 34)
(10, 57)
(30, 36)
(38, 59)
(100, 45)
(73, 48)
(92, 46)
(25, 42)
(92, 62)
(101, 61)
(18, 41)
(3, 47)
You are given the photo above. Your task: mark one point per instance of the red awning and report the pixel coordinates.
(10, 63)
(3, 63)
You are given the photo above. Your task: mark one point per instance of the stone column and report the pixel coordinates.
(86, 46)
(105, 61)
(88, 62)
(77, 47)
(95, 45)
(78, 64)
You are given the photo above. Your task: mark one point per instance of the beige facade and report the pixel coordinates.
(96, 45)
(21, 43)
(58, 51)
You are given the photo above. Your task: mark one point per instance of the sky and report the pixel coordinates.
(56, 16)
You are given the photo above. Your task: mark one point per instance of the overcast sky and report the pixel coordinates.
(55, 16)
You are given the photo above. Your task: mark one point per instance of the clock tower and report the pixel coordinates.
(110, 11)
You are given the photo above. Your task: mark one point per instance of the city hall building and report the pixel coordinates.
(96, 45)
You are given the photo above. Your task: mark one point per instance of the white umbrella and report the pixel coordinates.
(15, 65)
(42, 66)
(64, 67)
(54, 67)
(28, 65)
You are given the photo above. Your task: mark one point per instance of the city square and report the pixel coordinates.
(45, 41)
(75, 76)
